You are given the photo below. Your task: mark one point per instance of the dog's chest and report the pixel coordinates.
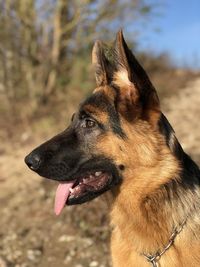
(125, 254)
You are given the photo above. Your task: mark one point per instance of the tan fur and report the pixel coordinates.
(107, 90)
(139, 226)
(121, 80)
(152, 198)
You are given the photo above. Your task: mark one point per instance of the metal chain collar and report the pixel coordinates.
(153, 259)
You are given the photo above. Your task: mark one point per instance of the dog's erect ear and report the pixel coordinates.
(103, 67)
(135, 87)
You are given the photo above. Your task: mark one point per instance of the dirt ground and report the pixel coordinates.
(31, 235)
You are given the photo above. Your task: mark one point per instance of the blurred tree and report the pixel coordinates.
(45, 44)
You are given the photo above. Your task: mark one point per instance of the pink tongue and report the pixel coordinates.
(62, 194)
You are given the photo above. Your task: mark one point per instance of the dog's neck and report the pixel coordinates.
(147, 219)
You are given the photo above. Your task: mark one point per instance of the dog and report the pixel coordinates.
(120, 142)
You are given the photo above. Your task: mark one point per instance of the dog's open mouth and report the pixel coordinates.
(89, 184)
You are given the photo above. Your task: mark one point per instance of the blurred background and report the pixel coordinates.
(45, 71)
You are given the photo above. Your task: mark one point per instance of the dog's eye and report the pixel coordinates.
(88, 123)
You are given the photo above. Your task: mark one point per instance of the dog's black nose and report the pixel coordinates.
(33, 160)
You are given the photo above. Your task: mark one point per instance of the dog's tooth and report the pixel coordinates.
(84, 180)
(98, 173)
(71, 190)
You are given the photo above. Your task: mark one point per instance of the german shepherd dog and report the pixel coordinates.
(120, 142)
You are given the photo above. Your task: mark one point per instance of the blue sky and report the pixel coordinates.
(179, 32)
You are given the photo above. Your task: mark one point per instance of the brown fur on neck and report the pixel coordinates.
(152, 200)
(137, 200)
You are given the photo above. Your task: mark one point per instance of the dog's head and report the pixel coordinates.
(115, 131)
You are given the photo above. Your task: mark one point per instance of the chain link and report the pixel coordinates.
(154, 258)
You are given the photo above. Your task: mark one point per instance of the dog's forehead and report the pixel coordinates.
(103, 98)
(101, 103)
(98, 100)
